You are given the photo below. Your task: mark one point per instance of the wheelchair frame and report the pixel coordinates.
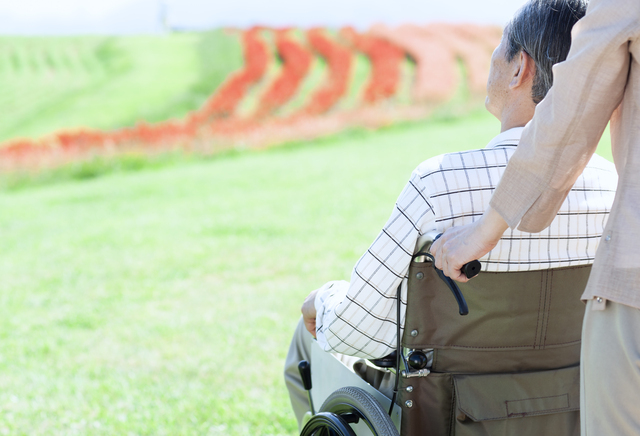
(516, 356)
(351, 399)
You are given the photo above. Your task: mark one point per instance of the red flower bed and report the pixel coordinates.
(386, 61)
(434, 48)
(296, 63)
(436, 75)
(17, 149)
(81, 141)
(472, 45)
(227, 97)
(339, 61)
(150, 134)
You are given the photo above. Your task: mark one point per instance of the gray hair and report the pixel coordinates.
(542, 29)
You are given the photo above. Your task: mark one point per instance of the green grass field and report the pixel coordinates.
(161, 301)
(47, 84)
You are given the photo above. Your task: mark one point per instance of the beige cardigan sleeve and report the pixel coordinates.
(564, 133)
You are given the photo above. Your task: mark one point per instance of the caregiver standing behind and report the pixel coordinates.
(599, 81)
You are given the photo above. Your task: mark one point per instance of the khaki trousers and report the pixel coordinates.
(610, 372)
(300, 349)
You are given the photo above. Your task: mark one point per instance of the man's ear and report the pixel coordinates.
(524, 70)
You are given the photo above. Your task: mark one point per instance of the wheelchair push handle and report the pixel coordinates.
(471, 269)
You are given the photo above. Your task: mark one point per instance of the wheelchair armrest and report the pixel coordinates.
(388, 361)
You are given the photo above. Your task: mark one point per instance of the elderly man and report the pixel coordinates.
(358, 318)
(598, 82)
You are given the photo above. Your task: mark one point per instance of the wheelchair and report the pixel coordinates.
(510, 366)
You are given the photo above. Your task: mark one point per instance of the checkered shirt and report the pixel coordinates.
(359, 317)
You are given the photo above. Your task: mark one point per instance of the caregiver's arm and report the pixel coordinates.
(560, 139)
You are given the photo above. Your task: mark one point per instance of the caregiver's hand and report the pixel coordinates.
(459, 245)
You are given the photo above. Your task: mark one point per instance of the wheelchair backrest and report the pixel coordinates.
(516, 354)
(517, 321)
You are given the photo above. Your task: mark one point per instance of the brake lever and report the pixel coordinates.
(463, 309)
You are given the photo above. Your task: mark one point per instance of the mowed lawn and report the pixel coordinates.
(161, 302)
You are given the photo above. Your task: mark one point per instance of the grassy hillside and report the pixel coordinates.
(161, 302)
(108, 82)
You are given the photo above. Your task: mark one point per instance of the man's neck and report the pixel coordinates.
(517, 114)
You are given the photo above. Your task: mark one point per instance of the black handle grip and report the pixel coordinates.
(305, 372)
(471, 269)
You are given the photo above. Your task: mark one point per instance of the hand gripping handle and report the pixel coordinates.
(470, 270)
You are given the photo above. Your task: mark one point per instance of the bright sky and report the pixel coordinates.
(46, 17)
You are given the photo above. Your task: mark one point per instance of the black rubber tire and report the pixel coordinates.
(355, 400)
(327, 424)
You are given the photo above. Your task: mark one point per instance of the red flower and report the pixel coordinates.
(223, 102)
(339, 60)
(297, 61)
(386, 61)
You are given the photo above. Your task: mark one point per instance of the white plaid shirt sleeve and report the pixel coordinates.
(359, 317)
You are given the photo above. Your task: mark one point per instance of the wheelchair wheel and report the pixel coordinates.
(350, 405)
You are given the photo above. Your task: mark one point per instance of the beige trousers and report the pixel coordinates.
(300, 349)
(610, 372)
